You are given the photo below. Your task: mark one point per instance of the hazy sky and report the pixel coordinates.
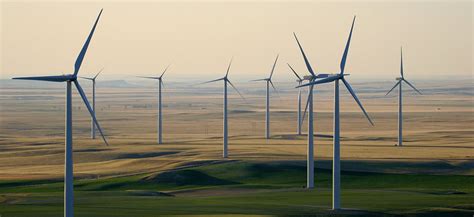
(199, 38)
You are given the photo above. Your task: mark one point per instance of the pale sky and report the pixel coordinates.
(199, 37)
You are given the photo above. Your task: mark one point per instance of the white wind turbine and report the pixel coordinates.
(160, 119)
(309, 107)
(399, 84)
(69, 79)
(93, 101)
(225, 133)
(299, 117)
(267, 112)
(336, 179)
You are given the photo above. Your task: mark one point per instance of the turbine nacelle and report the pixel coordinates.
(325, 75)
(160, 78)
(269, 79)
(71, 77)
(93, 78)
(402, 78)
(322, 80)
(226, 80)
(322, 75)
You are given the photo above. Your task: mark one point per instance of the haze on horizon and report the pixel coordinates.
(199, 38)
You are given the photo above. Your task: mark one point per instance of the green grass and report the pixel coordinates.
(247, 188)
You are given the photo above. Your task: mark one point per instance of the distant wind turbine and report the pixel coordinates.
(226, 80)
(336, 137)
(160, 119)
(93, 101)
(300, 81)
(399, 84)
(267, 113)
(309, 107)
(69, 79)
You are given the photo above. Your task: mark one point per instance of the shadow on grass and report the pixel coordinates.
(187, 177)
(145, 155)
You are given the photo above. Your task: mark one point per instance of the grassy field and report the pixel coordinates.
(245, 188)
(432, 175)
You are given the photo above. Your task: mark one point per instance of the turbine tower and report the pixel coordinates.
(309, 107)
(336, 137)
(300, 81)
(160, 119)
(69, 79)
(399, 84)
(267, 112)
(225, 132)
(93, 101)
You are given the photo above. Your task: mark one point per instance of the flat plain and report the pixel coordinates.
(433, 174)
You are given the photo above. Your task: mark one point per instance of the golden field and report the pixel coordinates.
(438, 127)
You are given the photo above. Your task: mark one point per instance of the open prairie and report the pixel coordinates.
(187, 174)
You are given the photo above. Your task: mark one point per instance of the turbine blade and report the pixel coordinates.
(294, 72)
(228, 68)
(236, 90)
(323, 75)
(414, 88)
(393, 88)
(79, 59)
(276, 91)
(274, 88)
(162, 84)
(263, 79)
(401, 61)
(349, 88)
(306, 61)
(165, 70)
(271, 83)
(91, 112)
(307, 104)
(86, 78)
(60, 78)
(98, 74)
(212, 81)
(346, 50)
(320, 81)
(273, 68)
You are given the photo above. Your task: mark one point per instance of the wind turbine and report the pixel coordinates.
(399, 84)
(336, 137)
(309, 107)
(226, 80)
(300, 81)
(267, 113)
(93, 101)
(160, 119)
(69, 79)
